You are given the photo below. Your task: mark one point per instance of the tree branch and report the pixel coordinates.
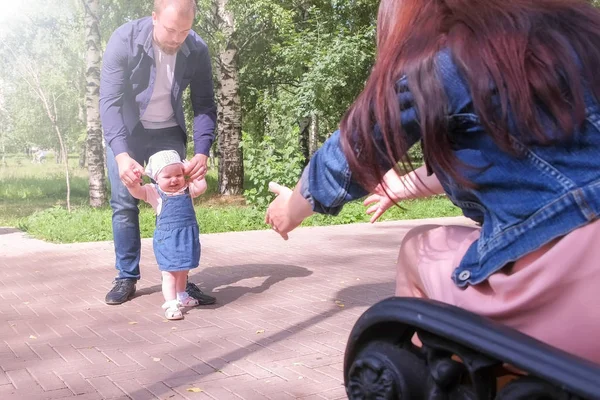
(251, 38)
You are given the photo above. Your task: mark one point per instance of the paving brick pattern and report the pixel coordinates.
(278, 331)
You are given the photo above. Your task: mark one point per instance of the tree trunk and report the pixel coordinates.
(95, 149)
(63, 150)
(3, 116)
(2, 151)
(313, 134)
(229, 115)
(60, 155)
(31, 78)
(82, 154)
(303, 139)
(80, 85)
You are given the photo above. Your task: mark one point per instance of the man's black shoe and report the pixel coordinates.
(195, 292)
(123, 290)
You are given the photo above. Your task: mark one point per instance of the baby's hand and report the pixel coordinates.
(197, 187)
(134, 184)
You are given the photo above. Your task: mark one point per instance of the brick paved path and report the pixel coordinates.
(278, 330)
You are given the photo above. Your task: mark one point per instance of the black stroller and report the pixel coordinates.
(463, 356)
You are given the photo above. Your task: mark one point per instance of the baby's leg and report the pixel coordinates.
(169, 289)
(181, 280)
(182, 296)
(169, 281)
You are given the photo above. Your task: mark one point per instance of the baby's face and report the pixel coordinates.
(171, 178)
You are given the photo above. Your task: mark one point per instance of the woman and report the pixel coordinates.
(504, 98)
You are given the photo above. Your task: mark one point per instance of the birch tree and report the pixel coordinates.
(94, 144)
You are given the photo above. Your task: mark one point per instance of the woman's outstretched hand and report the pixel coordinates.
(389, 192)
(380, 203)
(278, 215)
(287, 210)
(395, 188)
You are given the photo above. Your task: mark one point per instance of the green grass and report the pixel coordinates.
(26, 188)
(32, 197)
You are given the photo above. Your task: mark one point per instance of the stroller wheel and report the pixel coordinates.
(384, 371)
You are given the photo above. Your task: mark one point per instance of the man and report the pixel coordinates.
(147, 65)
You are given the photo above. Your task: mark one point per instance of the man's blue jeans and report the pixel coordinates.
(125, 219)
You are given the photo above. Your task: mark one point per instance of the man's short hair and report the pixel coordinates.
(184, 6)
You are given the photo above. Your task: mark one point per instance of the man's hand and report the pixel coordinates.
(196, 167)
(130, 172)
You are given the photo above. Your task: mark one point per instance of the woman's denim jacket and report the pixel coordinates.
(521, 202)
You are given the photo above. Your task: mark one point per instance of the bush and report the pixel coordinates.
(270, 160)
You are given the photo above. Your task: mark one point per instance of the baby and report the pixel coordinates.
(176, 237)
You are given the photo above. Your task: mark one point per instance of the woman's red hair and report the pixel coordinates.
(521, 58)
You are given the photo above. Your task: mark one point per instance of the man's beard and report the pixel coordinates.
(168, 50)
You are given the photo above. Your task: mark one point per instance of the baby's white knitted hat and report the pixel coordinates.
(158, 161)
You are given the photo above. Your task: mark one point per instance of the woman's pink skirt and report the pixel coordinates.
(552, 294)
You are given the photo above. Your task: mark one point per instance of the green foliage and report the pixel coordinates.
(415, 154)
(354, 212)
(31, 198)
(114, 13)
(295, 60)
(86, 224)
(58, 225)
(272, 159)
(26, 188)
(42, 50)
(311, 58)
